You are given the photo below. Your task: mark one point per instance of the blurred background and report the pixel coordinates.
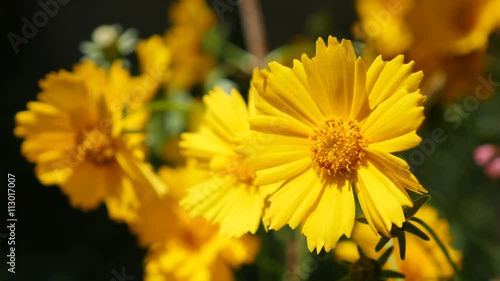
(57, 243)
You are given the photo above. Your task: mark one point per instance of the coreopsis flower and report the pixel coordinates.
(450, 49)
(77, 134)
(199, 253)
(229, 197)
(331, 124)
(183, 248)
(424, 259)
(158, 218)
(191, 20)
(154, 58)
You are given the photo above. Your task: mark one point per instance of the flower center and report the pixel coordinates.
(95, 145)
(339, 148)
(237, 167)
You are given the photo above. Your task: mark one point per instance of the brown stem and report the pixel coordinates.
(253, 29)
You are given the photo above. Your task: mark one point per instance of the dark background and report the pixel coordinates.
(53, 241)
(57, 243)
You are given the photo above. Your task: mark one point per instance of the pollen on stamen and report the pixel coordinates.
(96, 146)
(236, 166)
(339, 148)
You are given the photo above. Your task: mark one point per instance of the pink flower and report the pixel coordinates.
(484, 154)
(492, 169)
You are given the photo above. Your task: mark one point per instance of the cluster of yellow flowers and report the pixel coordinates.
(297, 149)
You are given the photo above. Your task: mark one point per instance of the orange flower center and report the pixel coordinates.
(339, 148)
(95, 145)
(237, 167)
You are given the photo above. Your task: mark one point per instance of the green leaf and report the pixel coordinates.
(417, 204)
(361, 254)
(381, 243)
(384, 257)
(402, 244)
(391, 274)
(362, 220)
(411, 228)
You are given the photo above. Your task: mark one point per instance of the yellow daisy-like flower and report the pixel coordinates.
(154, 58)
(424, 259)
(191, 20)
(158, 218)
(229, 197)
(76, 135)
(331, 124)
(457, 39)
(177, 59)
(199, 253)
(187, 249)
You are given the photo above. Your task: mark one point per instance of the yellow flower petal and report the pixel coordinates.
(335, 205)
(285, 92)
(390, 119)
(374, 187)
(289, 205)
(87, 186)
(331, 76)
(236, 207)
(386, 78)
(396, 169)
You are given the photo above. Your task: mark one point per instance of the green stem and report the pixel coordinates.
(458, 273)
(167, 105)
(237, 57)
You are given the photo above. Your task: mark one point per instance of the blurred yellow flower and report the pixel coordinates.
(331, 124)
(199, 253)
(158, 217)
(78, 136)
(177, 59)
(154, 59)
(191, 20)
(229, 197)
(446, 39)
(184, 248)
(424, 259)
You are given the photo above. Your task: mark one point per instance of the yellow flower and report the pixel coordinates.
(177, 59)
(229, 196)
(191, 20)
(77, 136)
(457, 39)
(424, 259)
(158, 218)
(199, 253)
(154, 59)
(331, 124)
(183, 248)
